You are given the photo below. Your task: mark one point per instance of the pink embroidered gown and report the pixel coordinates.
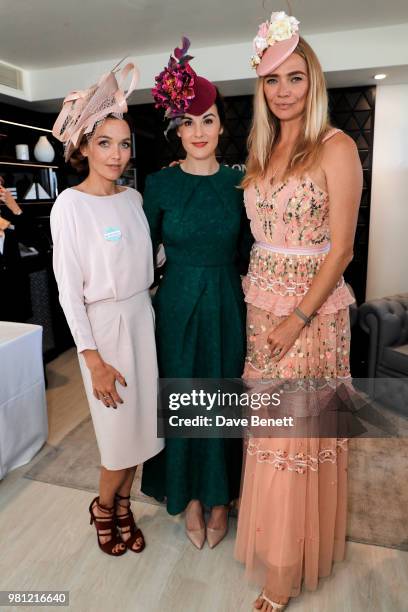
(292, 517)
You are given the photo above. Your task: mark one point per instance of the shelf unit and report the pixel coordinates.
(34, 225)
(21, 173)
(25, 125)
(25, 164)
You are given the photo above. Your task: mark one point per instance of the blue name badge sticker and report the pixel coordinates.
(112, 234)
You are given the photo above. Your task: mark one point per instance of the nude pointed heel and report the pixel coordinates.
(196, 537)
(214, 536)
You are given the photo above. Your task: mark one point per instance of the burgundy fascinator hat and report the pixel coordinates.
(83, 110)
(179, 90)
(275, 41)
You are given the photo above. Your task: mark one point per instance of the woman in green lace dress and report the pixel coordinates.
(196, 211)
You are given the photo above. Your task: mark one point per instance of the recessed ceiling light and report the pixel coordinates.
(380, 77)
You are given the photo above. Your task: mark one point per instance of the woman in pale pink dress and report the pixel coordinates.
(302, 192)
(103, 265)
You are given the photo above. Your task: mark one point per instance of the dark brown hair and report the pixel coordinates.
(219, 103)
(78, 161)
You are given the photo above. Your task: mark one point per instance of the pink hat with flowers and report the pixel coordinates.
(275, 41)
(179, 90)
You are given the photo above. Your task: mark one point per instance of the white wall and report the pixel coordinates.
(388, 242)
(373, 49)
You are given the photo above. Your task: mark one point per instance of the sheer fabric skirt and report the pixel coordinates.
(293, 507)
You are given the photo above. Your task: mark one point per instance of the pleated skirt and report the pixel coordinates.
(124, 334)
(200, 315)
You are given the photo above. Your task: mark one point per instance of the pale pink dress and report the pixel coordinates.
(103, 265)
(292, 516)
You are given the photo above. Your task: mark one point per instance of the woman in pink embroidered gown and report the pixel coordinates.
(302, 192)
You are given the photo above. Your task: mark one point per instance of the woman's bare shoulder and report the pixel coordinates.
(339, 148)
(340, 142)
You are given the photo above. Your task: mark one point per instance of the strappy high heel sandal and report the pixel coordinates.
(274, 604)
(126, 525)
(106, 526)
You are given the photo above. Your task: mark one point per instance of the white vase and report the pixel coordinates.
(43, 150)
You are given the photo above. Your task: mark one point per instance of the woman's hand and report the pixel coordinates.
(7, 198)
(283, 337)
(4, 224)
(104, 377)
(176, 162)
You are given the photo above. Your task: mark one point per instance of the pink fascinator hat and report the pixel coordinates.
(83, 110)
(275, 41)
(179, 90)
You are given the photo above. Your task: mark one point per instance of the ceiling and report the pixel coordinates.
(38, 34)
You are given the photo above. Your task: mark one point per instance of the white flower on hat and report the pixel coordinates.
(282, 27)
(255, 60)
(260, 44)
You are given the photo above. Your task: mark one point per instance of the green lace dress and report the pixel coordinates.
(200, 320)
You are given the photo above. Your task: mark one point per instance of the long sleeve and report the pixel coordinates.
(69, 275)
(153, 212)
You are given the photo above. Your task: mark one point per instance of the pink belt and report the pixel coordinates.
(294, 250)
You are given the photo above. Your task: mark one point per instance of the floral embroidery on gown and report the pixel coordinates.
(292, 517)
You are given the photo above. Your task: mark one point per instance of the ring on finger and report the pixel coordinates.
(277, 352)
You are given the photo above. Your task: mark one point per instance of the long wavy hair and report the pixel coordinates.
(265, 129)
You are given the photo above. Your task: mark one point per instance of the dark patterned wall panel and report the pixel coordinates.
(351, 109)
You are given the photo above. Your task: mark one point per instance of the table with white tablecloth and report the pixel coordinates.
(23, 409)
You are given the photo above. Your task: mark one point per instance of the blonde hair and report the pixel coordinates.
(265, 127)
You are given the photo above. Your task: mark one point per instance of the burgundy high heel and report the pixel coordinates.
(126, 525)
(106, 527)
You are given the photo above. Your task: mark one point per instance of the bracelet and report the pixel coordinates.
(307, 320)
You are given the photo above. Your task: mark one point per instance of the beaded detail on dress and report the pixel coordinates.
(294, 216)
(305, 214)
(331, 334)
(299, 462)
